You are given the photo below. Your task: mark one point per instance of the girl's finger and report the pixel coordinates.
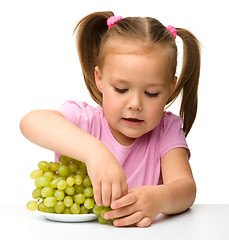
(124, 201)
(129, 220)
(106, 194)
(145, 222)
(97, 193)
(120, 212)
(116, 192)
(124, 187)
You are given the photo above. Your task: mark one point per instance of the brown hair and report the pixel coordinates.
(92, 36)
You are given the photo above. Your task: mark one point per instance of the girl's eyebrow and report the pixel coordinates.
(120, 80)
(156, 84)
(117, 80)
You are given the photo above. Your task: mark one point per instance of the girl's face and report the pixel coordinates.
(135, 90)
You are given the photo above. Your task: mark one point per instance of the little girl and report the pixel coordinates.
(136, 153)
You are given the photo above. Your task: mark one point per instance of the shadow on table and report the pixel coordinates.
(164, 218)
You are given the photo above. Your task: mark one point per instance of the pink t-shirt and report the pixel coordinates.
(141, 161)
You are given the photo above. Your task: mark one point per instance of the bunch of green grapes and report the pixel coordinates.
(64, 187)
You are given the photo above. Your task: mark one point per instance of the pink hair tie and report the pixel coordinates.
(111, 21)
(172, 30)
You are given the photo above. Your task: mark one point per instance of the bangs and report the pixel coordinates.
(139, 47)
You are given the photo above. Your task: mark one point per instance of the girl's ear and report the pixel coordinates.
(98, 79)
(172, 86)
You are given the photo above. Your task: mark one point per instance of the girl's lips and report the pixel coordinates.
(132, 121)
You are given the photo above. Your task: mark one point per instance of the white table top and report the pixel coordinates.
(202, 221)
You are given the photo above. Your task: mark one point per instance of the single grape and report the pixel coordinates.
(70, 181)
(83, 166)
(59, 194)
(36, 193)
(72, 167)
(87, 181)
(77, 162)
(68, 201)
(63, 170)
(55, 182)
(89, 203)
(112, 221)
(70, 190)
(50, 209)
(32, 205)
(71, 175)
(47, 191)
(88, 192)
(83, 210)
(67, 210)
(78, 179)
(37, 173)
(50, 201)
(64, 159)
(37, 183)
(75, 208)
(102, 220)
(43, 165)
(50, 165)
(79, 198)
(79, 188)
(97, 209)
(43, 181)
(105, 209)
(54, 166)
(42, 207)
(61, 185)
(48, 175)
(59, 207)
(81, 172)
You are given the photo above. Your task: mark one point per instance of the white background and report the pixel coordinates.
(39, 69)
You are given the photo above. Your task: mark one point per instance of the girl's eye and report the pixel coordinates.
(120, 90)
(151, 94)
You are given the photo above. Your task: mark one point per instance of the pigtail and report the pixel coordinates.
(189, 79)
(88, 33)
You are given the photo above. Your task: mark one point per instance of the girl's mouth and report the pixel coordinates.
(133, 121)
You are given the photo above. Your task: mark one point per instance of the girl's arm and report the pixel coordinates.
(180, 187)
(142, 204)
(49, 129)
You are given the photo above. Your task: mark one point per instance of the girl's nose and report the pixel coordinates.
(134, 102)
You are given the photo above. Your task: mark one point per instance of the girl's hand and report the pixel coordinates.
(142, 204)
(108, 178)
(140, 207)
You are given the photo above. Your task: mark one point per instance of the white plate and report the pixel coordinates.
(69, 217)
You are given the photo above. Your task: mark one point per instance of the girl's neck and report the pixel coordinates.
(120, 138)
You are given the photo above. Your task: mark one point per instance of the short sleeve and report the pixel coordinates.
(172, 134)
(79, 113)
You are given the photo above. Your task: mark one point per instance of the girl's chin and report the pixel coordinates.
(127, 139)
(125, 136)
